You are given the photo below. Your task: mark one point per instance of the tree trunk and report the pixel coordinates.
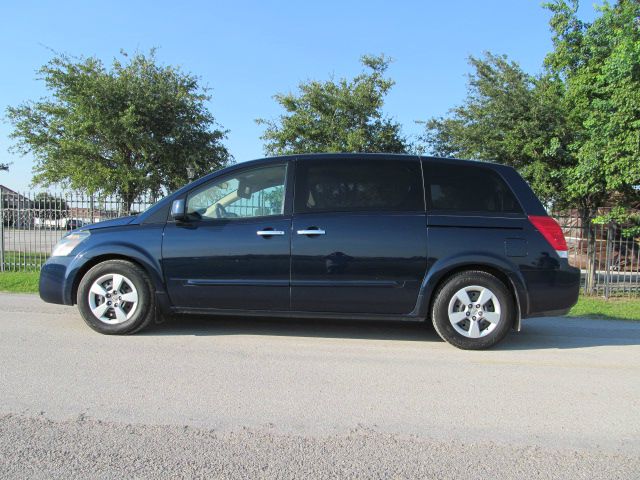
(126, 202)
(588, 233)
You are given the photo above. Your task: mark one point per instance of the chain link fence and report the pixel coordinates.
(32, 224)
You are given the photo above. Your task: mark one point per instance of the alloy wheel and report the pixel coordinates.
(113, 299)
(474, 311)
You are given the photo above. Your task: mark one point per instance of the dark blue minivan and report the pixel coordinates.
(464, 244)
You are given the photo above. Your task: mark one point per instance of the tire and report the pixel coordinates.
(129, 310)
(465, 325)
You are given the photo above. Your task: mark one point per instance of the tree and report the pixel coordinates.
(4, 167)
(600, 65)
(336, 116)
(134, 128)
(512, 118)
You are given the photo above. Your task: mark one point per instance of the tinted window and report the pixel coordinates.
(257, 192)
(357, 185)
(468, 189)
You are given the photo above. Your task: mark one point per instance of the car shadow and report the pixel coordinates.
(294, 327)
(537, 333)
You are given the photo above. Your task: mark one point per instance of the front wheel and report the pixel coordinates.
(115, 297)
(473, 310)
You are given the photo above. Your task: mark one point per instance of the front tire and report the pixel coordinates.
(115, 297)
(473, 310)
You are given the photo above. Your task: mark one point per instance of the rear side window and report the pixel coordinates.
(465, 188)
(346, 185)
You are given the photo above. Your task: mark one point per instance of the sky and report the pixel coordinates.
(247, 51)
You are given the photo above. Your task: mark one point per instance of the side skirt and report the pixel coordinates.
(289, 314)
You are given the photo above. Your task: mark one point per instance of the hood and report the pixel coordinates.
(114, 222)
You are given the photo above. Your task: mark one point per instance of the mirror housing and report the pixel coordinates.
(178, 212)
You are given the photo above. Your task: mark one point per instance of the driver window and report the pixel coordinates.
(258, 192)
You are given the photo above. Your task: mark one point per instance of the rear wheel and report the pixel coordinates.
(473, 310)
(116, 297)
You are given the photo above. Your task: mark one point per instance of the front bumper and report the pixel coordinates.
(56, 280)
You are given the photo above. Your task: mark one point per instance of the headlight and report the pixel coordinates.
(66, 245)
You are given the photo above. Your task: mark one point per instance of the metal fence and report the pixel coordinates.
(32, 224)
(609, 260)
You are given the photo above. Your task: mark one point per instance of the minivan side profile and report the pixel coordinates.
(463, 244)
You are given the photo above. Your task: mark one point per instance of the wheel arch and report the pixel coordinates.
(439, 274)
(91, 262)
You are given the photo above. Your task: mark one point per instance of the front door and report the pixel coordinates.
(234, 251)
(359, 237)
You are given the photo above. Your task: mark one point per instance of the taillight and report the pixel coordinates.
(551, 231)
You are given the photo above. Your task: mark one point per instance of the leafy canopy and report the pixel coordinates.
(133, 128)
(510, 117)
(573, 131)
(600, 66)
(336, 116)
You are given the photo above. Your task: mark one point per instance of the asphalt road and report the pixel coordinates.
(247, 398)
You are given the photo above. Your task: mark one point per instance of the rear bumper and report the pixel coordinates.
(56, 284)
(553, 293)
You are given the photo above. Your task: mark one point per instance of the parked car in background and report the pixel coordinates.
(73, 223)
(463, 244)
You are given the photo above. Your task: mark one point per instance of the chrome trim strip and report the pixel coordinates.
(232, 282)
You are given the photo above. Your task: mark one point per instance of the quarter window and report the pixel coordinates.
(467, 188)
(356, 185)
(257, 192)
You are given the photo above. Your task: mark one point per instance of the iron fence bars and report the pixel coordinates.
(609, 260)
(31, 224)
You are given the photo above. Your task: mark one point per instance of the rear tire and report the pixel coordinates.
(473, 310)
(115, 297)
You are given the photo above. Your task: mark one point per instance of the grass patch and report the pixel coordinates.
(19, 282)
(613, 309)
(24, 260)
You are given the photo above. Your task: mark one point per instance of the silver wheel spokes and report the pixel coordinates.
(474, 311)
(113, 298)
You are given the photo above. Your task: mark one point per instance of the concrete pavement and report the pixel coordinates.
(282, 398)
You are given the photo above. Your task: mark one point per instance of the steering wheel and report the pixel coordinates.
(220, 211)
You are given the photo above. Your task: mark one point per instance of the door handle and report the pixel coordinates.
(315, 231)
(268, 233)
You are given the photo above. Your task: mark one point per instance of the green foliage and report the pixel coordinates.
(629, 221)
(600, 64)
(336, 116)
(133, 128)
(510, 117)
(47, 200)
(572, 131)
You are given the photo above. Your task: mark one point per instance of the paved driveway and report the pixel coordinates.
(284, 398)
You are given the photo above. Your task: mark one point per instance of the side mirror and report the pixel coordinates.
(178, 210)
